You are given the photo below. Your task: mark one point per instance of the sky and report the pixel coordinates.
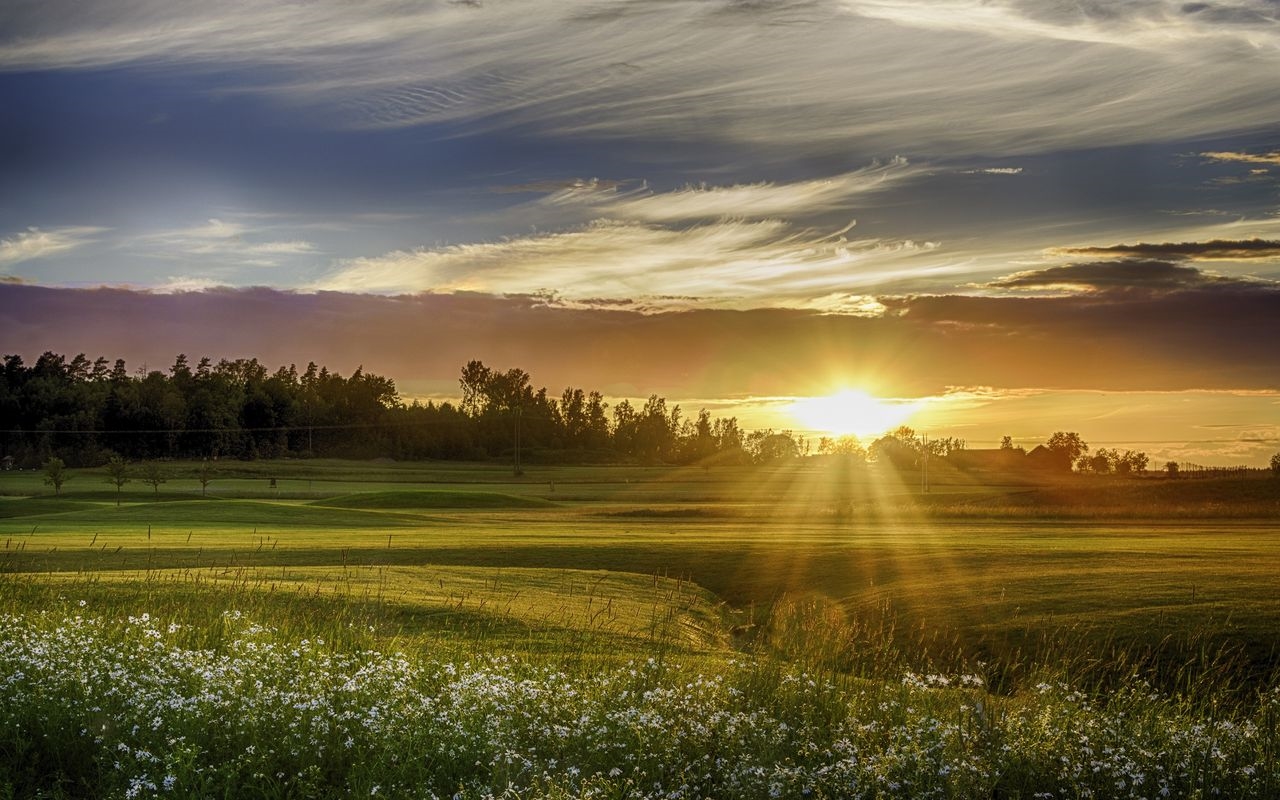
(1008, 217)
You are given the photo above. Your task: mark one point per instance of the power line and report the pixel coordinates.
(271, 429)
(1247, 440)
(262, 429)
(437, 422)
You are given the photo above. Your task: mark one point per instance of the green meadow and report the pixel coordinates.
(846, 577)
(967, 570)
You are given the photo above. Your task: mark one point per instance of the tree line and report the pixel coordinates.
(87, 412)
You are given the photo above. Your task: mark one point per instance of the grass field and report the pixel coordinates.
(1085, 558)
(841, 574)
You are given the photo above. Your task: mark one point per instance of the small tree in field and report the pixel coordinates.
(117, 474)
(153, 474)
(205, 476)
(55, 474)
(1275, 465)
(1171, 467)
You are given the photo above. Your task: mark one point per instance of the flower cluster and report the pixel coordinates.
(122, 709)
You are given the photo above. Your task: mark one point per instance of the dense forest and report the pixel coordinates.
(85, 412)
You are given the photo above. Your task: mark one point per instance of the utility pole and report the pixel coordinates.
(924, 463)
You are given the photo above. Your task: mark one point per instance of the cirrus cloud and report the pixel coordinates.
(727, 262)
(37, 243)
(888, 75)
(764, 199)
(228, 242)
(725, 245)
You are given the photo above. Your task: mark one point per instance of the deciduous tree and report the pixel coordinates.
(154, 475)
(1067, 447)
(117, 474)
(55, 474)
(205, 476)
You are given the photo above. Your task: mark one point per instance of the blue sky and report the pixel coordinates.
(651, 160)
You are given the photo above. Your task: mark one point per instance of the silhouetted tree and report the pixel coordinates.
(1102, 461)
(729, 441)
(900, 447)
(656, 428)
(768, 447)
(1131, 461)
(848, 446)
(1066, 447)
(597, 434)
(697, 439)
(475, 383)
(571, 413)
(625, 421)
(942, 446)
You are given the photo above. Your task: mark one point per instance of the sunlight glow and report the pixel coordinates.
(851, 412)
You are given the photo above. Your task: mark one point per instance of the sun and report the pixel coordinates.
(851, 412)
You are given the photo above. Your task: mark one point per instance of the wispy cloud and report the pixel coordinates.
(551, 187)
(762, 199)
(38, 243)
(229, 243)
(736, 245)
(892, 75)
(727, 262)
(1226, 156)
(1137, 24)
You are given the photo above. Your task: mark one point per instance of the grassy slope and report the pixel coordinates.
(431, 498)
(870, 544)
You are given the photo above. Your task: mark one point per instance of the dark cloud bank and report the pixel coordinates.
(1131, 275)
(1171, 332)
(1213, 250)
